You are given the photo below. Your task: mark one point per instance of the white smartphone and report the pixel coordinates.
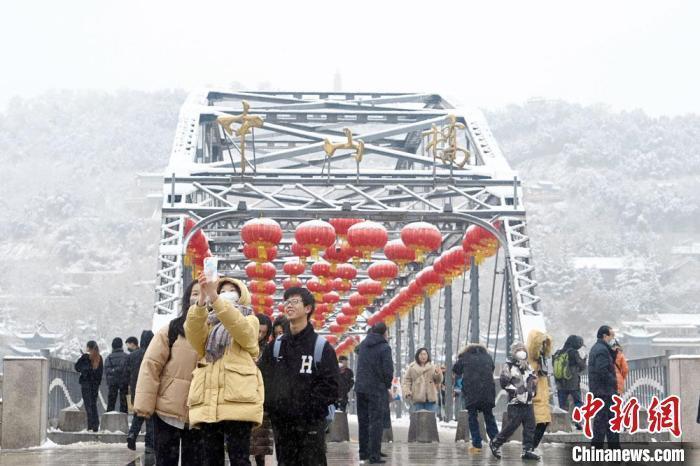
(210, 268)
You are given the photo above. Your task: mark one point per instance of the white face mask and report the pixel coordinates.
(522, 355)
(230, 296)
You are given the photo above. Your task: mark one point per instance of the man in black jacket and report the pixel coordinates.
(133, 366)
(475, 367)
(602, 382)
(298, 389)
(117, 376)
(375, 370)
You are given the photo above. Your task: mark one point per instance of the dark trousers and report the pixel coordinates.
(135, 429)
(518, 414)
(563, 397)
(540, 429)
(601, 426)
(233, 435)
(170, 440)
(114, 391)
(371, 417)
(90, 393)
(300, 445)
(489, 421)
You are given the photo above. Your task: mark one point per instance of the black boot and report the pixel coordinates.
(131, 442)
(529, 454)
(495, 451)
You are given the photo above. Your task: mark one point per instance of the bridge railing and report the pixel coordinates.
(647, 377)
(64, 389)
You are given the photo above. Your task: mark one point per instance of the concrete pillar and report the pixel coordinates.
(684, 380)
(72, 419)
(114, 421)
(339, 431)
(463, 432)
(25, 401)
(423, 427)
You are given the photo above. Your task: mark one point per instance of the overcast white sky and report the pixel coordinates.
(627, 54)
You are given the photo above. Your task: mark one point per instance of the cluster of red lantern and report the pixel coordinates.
(346, 346)
(261, 285)
(197, 249)
(478, 243)
(261, 237)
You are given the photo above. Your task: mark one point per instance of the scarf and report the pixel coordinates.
(219, 339)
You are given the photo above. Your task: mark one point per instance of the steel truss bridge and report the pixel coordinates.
(394, 158)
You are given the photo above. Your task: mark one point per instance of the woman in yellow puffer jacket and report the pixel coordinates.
(539, 349)
(226, 395)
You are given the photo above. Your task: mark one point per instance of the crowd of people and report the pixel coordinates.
(221, 380)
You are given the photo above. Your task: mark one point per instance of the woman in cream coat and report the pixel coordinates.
(226, 395)
(162, 388)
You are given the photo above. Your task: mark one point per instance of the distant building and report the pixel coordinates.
(609, 267)
(660, 334)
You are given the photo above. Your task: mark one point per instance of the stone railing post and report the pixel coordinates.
(25, 402)
(684, 380)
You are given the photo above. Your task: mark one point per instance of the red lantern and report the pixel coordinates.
(480, 243)
(332, 339)
(348, 310)
(374, 319)
(336, 329)
(359, 301)
(429, 280)
(263, 287)
(370, 288)
(341, 286)
(367, 237)
(331, 298)
(383, 271)
(261, 301)
(322, 309)
(422, 237)
(456, 261)
(322, 270)
(318, 289)
(335, 256)
(341, 226)
(345, 320)
(293, 268)
(318, 322)
(398, 253)
(261, 233)
(346, 272)
(291, 283)
(301, 252)
(253, 253)
(260, 271)
(315, 235)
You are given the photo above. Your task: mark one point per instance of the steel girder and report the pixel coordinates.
(290, 178)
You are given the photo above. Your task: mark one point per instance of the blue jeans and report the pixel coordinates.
(489, 421)
(428, 406)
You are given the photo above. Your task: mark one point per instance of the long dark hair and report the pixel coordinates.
(95, 357)
(177, 325)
